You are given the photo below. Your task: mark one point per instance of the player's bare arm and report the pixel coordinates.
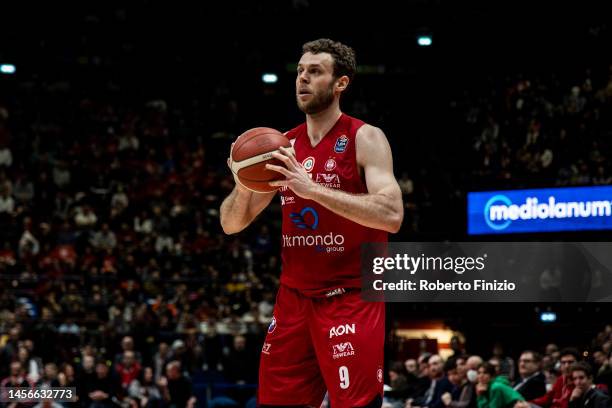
(241, 207)
(380, 208)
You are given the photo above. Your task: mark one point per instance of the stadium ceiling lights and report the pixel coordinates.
(424, 40)
(269, 78)
(548, 317)
(7, 69)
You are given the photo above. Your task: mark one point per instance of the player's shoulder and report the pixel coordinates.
(292, 133)
(370, 133)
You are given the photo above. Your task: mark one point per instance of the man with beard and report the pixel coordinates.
(339, 192)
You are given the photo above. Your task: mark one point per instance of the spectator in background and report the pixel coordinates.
(16, 377)
(84, 217)
(128, 369)
(176, 388)
(464, 394)
(50, 376)
(103, 387)
(160, 359)
(398, 384)
(494, 391)
(145, 389)
(558, 396)
(104, 239)
(601, 177)
(127, 344)
(32, 365)
(23, 190)
(438, 385)
(239, 364)
(411, 367)
(506, 364)
(7, 202)
(585, 394)
(531, 383)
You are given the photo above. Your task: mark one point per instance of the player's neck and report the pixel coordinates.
(320, 124)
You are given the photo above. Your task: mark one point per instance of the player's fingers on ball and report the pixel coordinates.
(278, 169)
(277, 183)
(292, 161)
(287, 152)
(281, 157)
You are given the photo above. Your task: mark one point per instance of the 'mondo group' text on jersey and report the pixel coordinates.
(321, 249)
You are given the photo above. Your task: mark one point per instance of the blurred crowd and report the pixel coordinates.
(541, 129)
(113, 264)
(549, 378)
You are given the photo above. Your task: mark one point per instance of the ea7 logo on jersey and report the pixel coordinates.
(341, 143)
(266, 348)
(329, 180)
(343, 350)
(342, 330)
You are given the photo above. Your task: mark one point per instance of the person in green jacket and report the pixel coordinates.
(495, 391)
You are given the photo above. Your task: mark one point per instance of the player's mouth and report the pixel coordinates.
(304, 94)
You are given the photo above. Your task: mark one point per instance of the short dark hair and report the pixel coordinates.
(343, 55)
(582, 366)
(570, 351)
(489, 369)
(537, 357)
(451, 364)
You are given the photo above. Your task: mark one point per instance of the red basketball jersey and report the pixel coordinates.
(321, 250)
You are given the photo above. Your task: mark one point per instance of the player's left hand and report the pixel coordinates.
(296, 177)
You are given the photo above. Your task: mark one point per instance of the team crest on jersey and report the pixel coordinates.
(379, 375)
(308, 163)
(272, 326)
(341, 143)
(330, 164)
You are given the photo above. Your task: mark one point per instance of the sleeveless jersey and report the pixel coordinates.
(321, 250)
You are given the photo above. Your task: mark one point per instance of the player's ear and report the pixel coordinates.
(342, 83)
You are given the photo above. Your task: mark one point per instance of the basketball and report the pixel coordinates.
(251, 152)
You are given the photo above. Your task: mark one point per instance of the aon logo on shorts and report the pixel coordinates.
(342, 330)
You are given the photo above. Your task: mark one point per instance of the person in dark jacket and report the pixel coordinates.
(532, 382)
(585, 394)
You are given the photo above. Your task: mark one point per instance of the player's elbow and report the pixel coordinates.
(395, 221)
(394, 225)
(229, 228)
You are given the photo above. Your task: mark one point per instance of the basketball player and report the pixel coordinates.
(339, 192)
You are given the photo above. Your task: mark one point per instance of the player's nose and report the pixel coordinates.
(303, 77)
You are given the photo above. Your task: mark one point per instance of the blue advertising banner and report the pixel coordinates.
(540, 210)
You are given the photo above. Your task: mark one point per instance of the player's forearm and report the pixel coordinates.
(234, 212)
(379, 211)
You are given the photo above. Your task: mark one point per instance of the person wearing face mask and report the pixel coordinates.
(472, 364)
(585, 394)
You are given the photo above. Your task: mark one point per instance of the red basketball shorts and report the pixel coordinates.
(314, 345)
